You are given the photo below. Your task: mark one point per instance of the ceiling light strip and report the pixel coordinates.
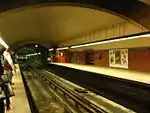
(51, 49)
(109, 41)
(62, 48)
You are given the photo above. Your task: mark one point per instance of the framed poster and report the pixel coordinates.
(118, 58)
(124, 57)
(111, 58)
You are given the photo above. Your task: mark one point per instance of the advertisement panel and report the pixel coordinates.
(118, 58)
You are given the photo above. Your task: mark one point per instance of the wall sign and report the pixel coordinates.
(118, 58)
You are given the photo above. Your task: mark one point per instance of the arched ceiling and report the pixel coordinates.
(38, 25)
(145, 1)
(50, 25)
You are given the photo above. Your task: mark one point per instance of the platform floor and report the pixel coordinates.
(143, 77)
(19, 102)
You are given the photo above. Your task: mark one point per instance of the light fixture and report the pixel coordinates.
(51, 49)
(2, 42)
(61, 54)
(62, 48)
(109, 41)
(36, 45)
(35, 53)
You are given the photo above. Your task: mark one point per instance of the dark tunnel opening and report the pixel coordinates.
(34, 55)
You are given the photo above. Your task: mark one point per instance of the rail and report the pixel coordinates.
(130, 94)
(67, 93)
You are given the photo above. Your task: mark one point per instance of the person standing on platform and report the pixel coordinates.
(8, 65)
(3, 88)
(2, 107)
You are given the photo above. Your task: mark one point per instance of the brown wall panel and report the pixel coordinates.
(78, 57)
(101, 58)
(139, 59)
(67, 57)
(81, 57)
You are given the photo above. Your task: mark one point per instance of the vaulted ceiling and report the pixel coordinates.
(145, 1)
(49, 25)
(51, 22)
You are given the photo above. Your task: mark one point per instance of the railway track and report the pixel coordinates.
(130, 94)
(76, 99)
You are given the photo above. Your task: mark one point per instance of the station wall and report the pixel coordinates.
(61, 56)
(138, 58)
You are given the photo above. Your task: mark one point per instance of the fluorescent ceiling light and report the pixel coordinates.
(35, 53)
(36, 45)
(109, 41)
(51, 49)
(2, 42)
(62, 48)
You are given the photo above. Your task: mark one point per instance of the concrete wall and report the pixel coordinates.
(117, 30)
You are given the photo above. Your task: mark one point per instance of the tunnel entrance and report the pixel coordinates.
(33, 54)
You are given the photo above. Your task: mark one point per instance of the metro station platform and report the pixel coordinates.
(19, 102)
(143, 77)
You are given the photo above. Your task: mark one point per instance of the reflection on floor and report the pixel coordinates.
(120, 73)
